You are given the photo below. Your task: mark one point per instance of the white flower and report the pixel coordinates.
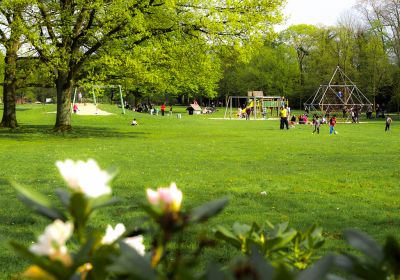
(85, 177)
(136, 243)
(168, 199)
(113, 234)
(53, 239)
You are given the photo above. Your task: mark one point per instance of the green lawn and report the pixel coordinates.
(349, 180)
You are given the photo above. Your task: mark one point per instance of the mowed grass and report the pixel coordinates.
(349, 180)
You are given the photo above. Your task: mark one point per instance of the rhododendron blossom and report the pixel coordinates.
(136, 243)
(53, 240)
(168, 199)
(113, 234)
(85, 177)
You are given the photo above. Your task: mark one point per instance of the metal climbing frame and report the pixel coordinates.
(337, 96)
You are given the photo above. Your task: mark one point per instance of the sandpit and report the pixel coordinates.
(90, 109)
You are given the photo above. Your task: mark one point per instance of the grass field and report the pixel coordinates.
(349, 180)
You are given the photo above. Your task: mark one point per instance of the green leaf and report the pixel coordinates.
(392, 255)
(55, 268)
(153, 212)
(318, 271)
(278, 242)
(264, 269)
(226, 235)
(132, 264)
(242, 230)
(64, 197)
(214, 272)
(365, 244)
(80, 211)
(103, 201)
(38, 202)
(208, 210)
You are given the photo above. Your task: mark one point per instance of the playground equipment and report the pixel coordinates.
(339, 96)
(93, 87)
(261, 106)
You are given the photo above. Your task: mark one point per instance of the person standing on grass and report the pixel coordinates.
(317, 124)
(248, 112)
(170, 110)
(284, 120)
(332, 123)
(388, 123)
(162, 109)
(75, 108)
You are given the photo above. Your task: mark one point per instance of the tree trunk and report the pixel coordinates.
(64, 90)
(10, 87)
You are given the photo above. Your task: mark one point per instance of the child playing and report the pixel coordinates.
(332, 123)
(388, 122)
(317, 124)
(75, 108)
(134, 122)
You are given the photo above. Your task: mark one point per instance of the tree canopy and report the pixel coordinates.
(194, 48)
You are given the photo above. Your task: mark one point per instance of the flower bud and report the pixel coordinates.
(167, 199)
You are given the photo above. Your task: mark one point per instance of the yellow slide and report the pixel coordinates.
(251, 105)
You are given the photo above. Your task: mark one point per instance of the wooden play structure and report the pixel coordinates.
(261, 107)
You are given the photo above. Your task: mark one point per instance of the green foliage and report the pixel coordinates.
(282, 254)
(281, 245)
(272, 69)
(100, 258)
(375, 262)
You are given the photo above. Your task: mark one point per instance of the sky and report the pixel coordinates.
(315, 12)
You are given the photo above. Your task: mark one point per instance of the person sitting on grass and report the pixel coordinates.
(134, 122)
(292, 121)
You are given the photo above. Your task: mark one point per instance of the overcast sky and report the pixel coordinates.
(324, 12)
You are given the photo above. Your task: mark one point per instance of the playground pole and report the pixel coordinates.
(94, 97)
(227, 105)
(231, 107)
(73, 100)
(122, 101)
(255, 107)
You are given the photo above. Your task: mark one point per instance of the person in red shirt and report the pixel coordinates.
(75, 108)
(332, 123)
(162, 109)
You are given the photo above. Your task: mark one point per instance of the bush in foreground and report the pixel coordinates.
(70, 249)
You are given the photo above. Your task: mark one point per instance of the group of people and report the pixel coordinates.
(150, 108)
(153, 110)
(245, 113)
(303, 119)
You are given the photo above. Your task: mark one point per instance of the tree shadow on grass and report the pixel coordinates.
(31, 132)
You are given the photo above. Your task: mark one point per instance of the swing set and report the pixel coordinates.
(93, 92)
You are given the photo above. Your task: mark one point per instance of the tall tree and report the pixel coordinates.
(167, 65)
(67, 33)
(272, 69)
(383, 19)
(11, 39)
(302, 38)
